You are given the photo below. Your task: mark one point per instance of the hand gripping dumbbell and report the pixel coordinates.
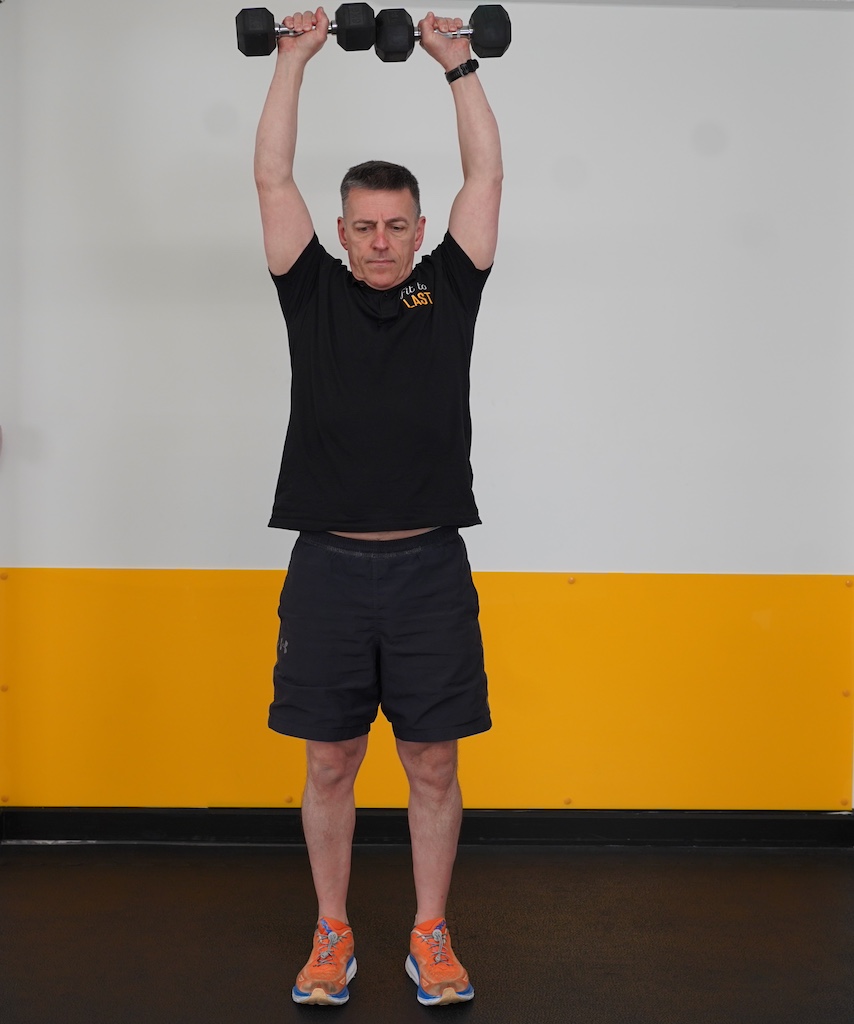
(258, 30)
(488, 27)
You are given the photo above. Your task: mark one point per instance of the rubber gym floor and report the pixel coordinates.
(161, 934)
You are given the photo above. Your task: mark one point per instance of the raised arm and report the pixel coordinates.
(284, 216)
(474, 214)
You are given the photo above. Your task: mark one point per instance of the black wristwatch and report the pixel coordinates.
(463, 69)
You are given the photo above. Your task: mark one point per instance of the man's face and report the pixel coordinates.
(381, 233)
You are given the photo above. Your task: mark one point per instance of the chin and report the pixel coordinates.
(381, 283)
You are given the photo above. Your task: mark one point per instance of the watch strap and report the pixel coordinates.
(468, 68)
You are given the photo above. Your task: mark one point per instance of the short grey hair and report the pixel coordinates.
(380, 176)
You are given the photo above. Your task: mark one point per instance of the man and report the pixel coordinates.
(378, 606)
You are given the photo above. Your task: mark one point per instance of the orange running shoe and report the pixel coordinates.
(330, 967)
(431, 964)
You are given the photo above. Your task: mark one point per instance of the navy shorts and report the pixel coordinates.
(369, 624)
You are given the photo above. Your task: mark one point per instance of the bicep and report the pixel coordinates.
(474, 221)
(287, 225)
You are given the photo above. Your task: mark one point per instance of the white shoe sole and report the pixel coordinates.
(450, 995)
(320, 997)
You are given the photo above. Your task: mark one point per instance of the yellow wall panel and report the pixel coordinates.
(144, 688)
(150, 688)
(655, 691)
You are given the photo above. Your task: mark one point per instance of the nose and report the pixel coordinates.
(380, 240)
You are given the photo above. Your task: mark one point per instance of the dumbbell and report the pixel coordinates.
(258, 30)
(488, 27)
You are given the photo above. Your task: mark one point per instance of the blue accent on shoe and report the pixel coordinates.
(338, 997)
(423, 997)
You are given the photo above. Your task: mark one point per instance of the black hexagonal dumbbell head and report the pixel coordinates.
(256, 32)
(490, 25)
(355, 26)
(395, 38)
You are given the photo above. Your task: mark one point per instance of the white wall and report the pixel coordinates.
(664, 359)
(10, 232)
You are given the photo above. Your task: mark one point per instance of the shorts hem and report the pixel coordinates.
(317, 735)
(459, 732)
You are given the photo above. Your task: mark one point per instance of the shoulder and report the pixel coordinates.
(313, 266)
(313, 257)
(451, 259)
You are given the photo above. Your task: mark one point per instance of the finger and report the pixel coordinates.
(302, 21)
(448, 24)
(321, 20)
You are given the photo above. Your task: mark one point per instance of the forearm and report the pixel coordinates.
(480, 143)
(276, 139)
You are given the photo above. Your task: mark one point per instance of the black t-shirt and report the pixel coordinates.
(379, 436)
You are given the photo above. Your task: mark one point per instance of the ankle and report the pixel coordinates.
(333, 916)
(430, 917)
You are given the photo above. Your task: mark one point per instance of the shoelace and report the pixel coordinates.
(329, 940)
(436, 941)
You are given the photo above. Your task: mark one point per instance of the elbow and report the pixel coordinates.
(263, 178)
(487, 178)
(487, 175)
(267, 182)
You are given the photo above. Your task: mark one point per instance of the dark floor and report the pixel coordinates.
(157, 935)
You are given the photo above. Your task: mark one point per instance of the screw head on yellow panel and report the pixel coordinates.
(846, 693)
(4, 799)
(289, 799)
(567, 801)
(4, 575)
(845, 803)
(4, 689)
(571, 579)
(849, 583)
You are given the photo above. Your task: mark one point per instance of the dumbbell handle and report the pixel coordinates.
(281, 31)
(292, 32)
(460, 33)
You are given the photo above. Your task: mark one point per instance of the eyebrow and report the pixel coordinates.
(391, 220)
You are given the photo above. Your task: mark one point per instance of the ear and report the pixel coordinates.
(419, 232)
(342, 232)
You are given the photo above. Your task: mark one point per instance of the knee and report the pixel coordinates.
(334, 765)
(431, 766)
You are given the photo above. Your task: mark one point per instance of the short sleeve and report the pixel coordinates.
(300, 283)
(464, 277)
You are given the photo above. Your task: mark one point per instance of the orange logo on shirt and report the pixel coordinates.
(418, 299)
(414, 295)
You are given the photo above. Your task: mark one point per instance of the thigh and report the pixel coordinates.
(432, 674)
(325, 679)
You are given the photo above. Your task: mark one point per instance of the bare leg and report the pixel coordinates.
(435, 814)
(328, 819)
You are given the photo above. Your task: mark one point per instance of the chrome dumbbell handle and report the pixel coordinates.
(292, 32)
(460, 33)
